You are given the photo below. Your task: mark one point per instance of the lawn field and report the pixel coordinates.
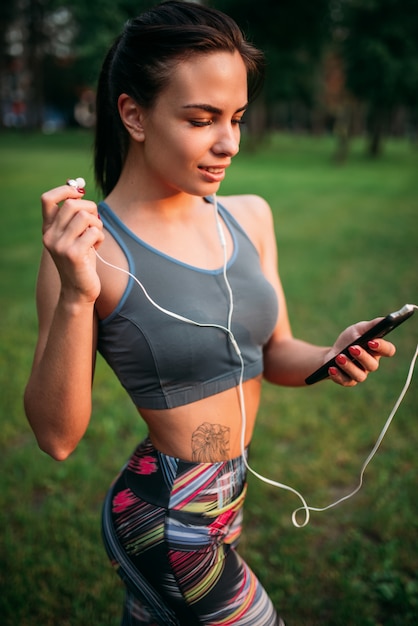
(348, 250)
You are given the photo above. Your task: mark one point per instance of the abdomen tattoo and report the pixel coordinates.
(210, 443)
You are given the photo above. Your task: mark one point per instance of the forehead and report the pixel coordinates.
(217, 78)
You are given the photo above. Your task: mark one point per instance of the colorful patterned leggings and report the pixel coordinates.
(170, 528)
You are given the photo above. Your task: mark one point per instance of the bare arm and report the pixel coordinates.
(58, 393)
(288, 360)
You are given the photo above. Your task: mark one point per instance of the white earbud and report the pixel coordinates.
(78, 183)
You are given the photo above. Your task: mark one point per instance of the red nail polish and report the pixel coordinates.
(355, 351)
(333, 371)
(373, 345)
(80, 190)
(341, 359)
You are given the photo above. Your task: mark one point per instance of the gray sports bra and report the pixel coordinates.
(164, 362)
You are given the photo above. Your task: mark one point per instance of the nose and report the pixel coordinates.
(227, 141)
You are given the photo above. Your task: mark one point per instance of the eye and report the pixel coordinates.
(201, 123)
(239, 121)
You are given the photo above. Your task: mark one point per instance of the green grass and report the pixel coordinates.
(348, 250)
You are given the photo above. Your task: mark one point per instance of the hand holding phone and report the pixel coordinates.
(380, 329)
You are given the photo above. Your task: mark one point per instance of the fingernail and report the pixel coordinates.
(341, 359)
(355, 351)
(373, 344)
(332, 371)
(81, 190)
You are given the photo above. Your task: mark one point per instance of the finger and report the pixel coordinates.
(72, 225)
(68, 225)
(75, 210)
(51, 200)
(58, 217)
(351, 369)
(382, 347)
(80, 222)
(369, 362)
(337, 376)
(68, 228)
(92, 237)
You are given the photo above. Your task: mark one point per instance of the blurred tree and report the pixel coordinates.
(99, 22)
(378, 40)
(37, 32)
(293, 35)
(35, 12)
(8, 12)
(52, 50)
(61, 46)
(65, 43)
(7, 15)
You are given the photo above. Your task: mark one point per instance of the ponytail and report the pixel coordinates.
(110, 143)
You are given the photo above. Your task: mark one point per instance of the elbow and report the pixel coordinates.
(57, 448)
(56, 452)
(56, 445)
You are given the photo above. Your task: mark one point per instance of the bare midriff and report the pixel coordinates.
(207, 430)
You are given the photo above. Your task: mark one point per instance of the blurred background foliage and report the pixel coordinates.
(341, 74)
(347, 67)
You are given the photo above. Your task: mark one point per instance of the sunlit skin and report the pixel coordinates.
(180, 148)
(179, 152)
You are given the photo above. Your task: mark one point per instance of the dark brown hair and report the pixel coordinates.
(140, 63)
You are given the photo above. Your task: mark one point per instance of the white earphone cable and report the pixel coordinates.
(371, 455)
(269, 481)
(227, 329)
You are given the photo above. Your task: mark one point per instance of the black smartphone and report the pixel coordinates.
(380, 329)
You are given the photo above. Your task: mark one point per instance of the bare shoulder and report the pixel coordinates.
(253, 213)
(248, 206)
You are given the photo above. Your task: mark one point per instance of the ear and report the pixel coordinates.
(131, 115)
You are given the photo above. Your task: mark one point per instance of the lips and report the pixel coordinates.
(214, 170)
(213, 173)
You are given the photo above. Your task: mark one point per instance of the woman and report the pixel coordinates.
(184, 301)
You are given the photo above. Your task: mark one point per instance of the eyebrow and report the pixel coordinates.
(211, 109)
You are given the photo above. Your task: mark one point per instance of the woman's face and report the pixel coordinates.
(193, 130)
